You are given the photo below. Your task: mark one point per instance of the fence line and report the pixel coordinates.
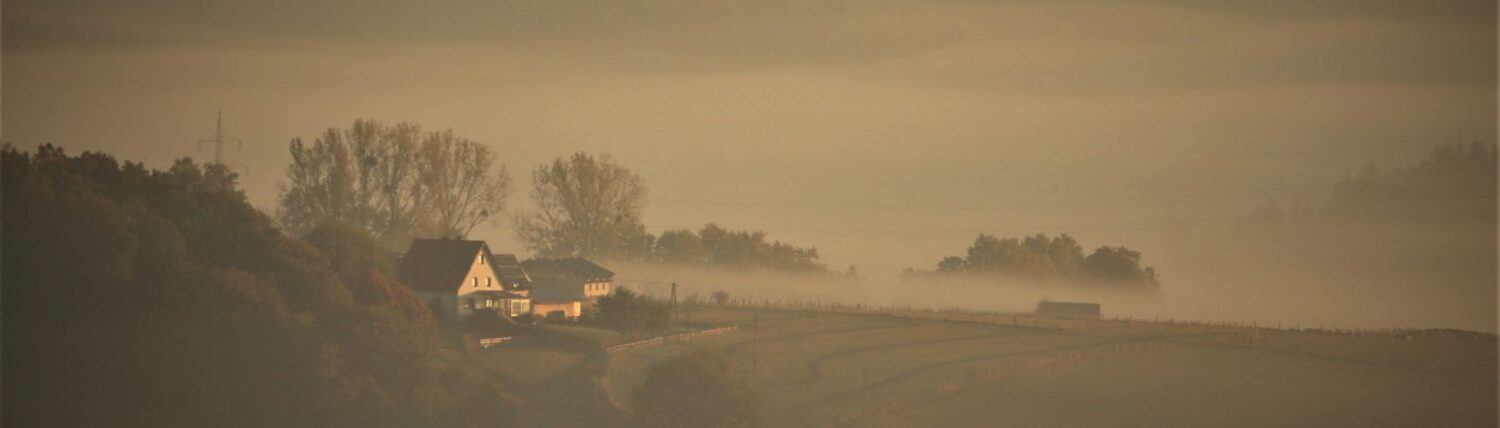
(663, 339)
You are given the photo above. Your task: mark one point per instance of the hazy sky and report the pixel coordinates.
(886, 133)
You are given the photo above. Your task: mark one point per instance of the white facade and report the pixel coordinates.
(481, 290)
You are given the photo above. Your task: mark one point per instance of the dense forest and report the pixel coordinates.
(1040, 258)
(136, 297)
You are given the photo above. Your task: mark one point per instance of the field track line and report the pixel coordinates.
(815, 367)
(899, 323)
(913, 372)
(1324, 358)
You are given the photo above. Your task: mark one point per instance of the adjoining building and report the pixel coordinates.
(457, 278)
(567, 288)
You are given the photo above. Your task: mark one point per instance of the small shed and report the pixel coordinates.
(1068, 309)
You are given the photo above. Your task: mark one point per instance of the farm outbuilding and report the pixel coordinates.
(1068, 309)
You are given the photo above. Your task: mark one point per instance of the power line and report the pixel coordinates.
(219, 140)
(933, 233)
(1216, 196)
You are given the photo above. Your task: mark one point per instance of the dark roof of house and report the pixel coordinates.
(510, 272)
(572, 266)
(437, 264)
(557, 288)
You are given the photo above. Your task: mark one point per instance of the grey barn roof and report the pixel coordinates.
(572, 266)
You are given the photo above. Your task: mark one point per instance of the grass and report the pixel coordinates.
(935, 369)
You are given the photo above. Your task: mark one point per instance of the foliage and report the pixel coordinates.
(162, 298)
(394, 181)
(718, 247)
(626, 311)
(720, 297)
(586, 207)
(365, 266)
(696, 390)
(1450, 185)
(491, 324)
(1043, 258)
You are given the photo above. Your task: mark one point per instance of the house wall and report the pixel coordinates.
(596, 288)
(481, 277)
(570, 309)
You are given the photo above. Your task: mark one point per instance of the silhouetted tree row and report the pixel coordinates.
(1452, 184)
(626, 311)
(135, 297)
(1043, 258)
(398, 182)
(714, 246)
(591, 207)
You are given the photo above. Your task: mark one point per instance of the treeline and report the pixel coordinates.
(135, 297)
(400, 182)
(717, 247)
(1040, 258)
(1451, 184)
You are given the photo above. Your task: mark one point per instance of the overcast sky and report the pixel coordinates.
(886, 133)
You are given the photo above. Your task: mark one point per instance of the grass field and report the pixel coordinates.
(819, 369)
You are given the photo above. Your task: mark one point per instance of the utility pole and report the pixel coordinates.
(219, 139)
(754, 347)
(672, 309)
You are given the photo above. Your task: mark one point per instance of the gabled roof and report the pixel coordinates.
(557, 288)
(510, 272)
(438, 264)
(573, 266)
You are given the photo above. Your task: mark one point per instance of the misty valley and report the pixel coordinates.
(746, 214)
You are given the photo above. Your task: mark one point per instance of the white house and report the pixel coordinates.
(458, 278)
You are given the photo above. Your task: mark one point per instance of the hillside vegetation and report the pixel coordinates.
(163, 299)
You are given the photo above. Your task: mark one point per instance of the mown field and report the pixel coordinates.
(820, 369)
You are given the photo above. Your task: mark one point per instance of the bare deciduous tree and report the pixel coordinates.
(463, 190)
(394, 181)
(586, 206)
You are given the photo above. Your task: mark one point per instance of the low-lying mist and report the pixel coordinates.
(1303, 273)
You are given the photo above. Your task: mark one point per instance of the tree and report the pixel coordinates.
(682, 246)
(586, 206)
(458, 176)
(1118, 265)
(394, 181)
(720, 297)
(696, 390)
(366, 269)
(628, 312)
(210, 315)
(722, 248)
(1044, 258)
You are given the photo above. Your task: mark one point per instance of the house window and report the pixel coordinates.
(476, 281)
(487, 282)
(481, 259)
